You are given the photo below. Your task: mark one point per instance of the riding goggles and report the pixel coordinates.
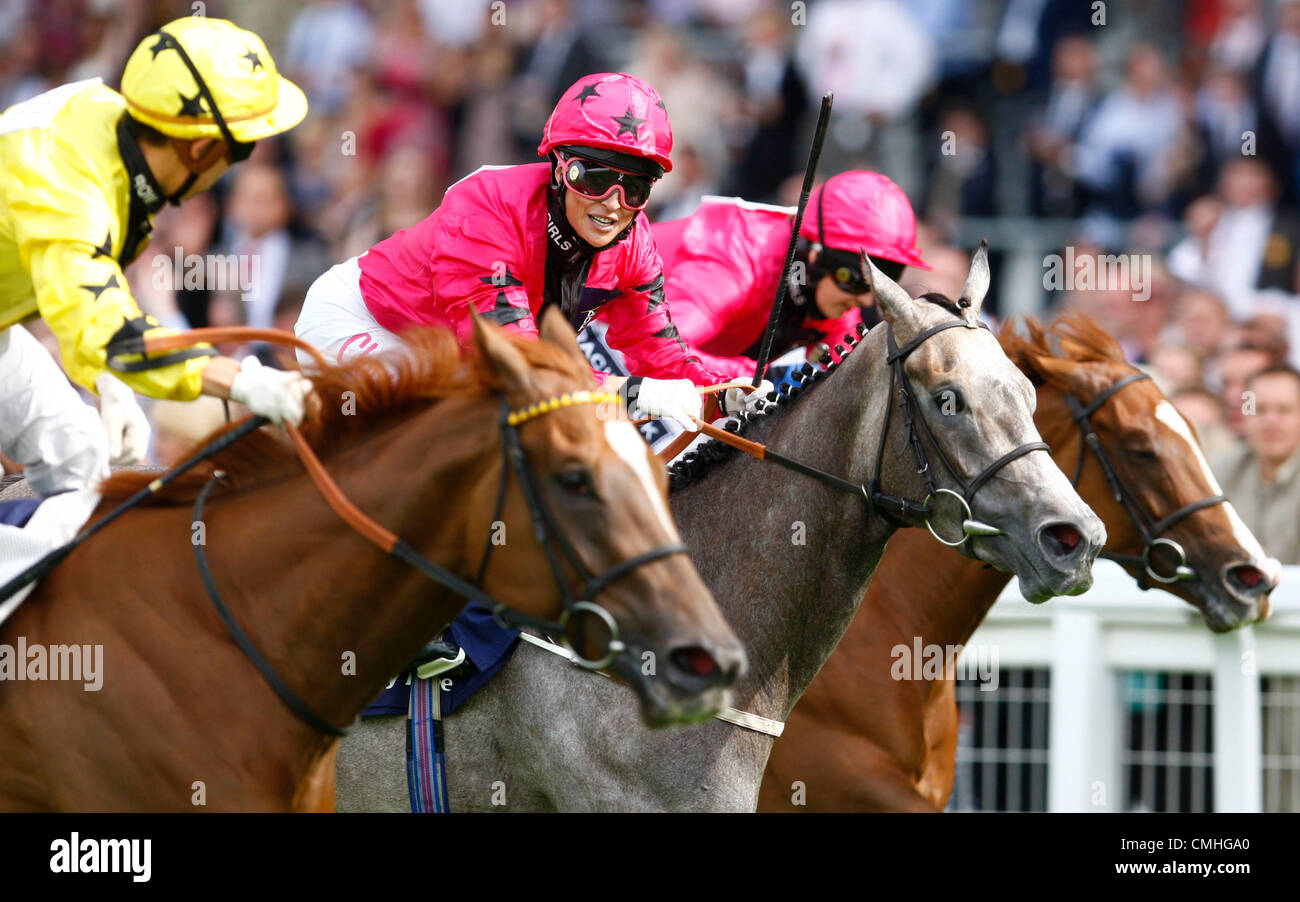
(596, 182)
(846, 270)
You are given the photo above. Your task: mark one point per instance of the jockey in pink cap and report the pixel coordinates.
(724, 261)
(509, 240)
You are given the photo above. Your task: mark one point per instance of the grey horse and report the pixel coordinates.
(788, 559)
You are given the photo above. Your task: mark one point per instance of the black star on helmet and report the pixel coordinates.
(253, 60)
(501, 281)
(628, 123)
(191, 106)
(163, 44)
(588, 91)
(97, 290)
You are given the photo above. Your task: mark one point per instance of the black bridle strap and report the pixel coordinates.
(1148, 530)
(290, 698)
(549, 535)
(917, 419)
(1181, 514)
(1001, 462)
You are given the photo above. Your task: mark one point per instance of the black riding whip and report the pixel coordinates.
(823, 119)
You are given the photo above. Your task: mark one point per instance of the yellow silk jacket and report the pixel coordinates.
(76, 205)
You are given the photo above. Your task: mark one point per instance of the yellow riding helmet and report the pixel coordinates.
(235, 72)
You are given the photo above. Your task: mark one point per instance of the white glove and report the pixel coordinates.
(127, 426)
(734, 400)
(275, 394)
(676, 399)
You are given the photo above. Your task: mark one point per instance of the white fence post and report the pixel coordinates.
(1237, 730)
(1082, 776)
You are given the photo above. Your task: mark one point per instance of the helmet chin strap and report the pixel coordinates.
(196, 168)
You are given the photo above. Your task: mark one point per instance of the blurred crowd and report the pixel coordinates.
(1164, 128)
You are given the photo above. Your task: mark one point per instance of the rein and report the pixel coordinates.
(545, 527)
(877, 500)
(1150, 530)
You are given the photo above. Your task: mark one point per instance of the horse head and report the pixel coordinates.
(1146, 475)
(989, 493)
(599, 479)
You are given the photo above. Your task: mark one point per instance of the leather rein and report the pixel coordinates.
(514, 459)
(893, 507)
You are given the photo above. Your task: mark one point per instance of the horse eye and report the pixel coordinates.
(949, 401)
(576, 482)
(1142, 455)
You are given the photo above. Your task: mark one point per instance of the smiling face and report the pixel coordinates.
(597, 222)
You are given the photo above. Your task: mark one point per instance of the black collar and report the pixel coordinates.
(147, 196)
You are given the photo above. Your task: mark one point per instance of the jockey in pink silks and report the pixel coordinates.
(723, 263)
(508, 241)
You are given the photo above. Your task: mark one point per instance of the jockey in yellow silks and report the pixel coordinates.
(83, 170)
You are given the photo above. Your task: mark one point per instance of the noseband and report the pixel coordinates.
(1150, 530)
(545, 529)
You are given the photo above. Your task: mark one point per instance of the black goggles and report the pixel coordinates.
(845, 270)
(236, 151)
(595, 182)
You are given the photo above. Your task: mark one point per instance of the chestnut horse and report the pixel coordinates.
(860, 740)
(184, 721)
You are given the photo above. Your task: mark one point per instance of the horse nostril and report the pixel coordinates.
(1062, 538)
(695, 661)
(1247, 578)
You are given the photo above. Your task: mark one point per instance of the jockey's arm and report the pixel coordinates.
(84, 298)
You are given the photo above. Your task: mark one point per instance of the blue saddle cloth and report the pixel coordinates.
(18, 511)
(488, 648)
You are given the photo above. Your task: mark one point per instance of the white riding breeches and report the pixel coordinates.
(62, 445)
(335, 319)
(44, 424)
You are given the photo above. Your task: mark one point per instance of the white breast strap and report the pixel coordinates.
(744, 719)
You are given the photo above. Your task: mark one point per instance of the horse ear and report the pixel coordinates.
(503, 357)
(896, 305)
(977, 281)
(556, 329)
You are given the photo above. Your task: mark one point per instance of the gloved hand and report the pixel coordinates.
(734, 400)
(127, 426)
(275, 394)
(676, 399)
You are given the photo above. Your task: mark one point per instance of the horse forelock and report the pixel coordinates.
(351, 400)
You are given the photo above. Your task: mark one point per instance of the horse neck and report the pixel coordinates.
(326, 595)
(789, 602)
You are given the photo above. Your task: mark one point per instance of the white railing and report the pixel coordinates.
(1088, 640)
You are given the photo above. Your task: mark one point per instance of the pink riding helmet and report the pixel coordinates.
(863, 209)
(612, 112)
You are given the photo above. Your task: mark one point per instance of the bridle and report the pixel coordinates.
(898, 509)
(547, 532)
(1150, 530)
(914, 417)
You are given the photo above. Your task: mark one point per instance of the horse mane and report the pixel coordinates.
(708, 454)
(1074, 337)
(349, 401)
